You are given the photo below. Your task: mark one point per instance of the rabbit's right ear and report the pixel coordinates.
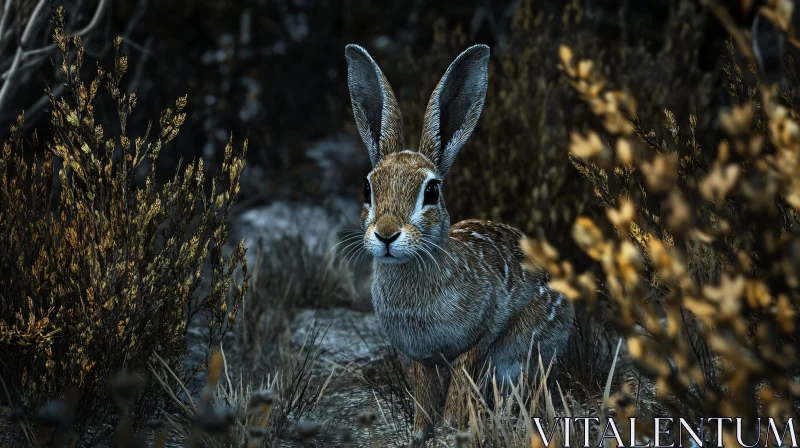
(455, 106)
(374, 106)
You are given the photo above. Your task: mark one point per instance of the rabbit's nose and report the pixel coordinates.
(387, 240)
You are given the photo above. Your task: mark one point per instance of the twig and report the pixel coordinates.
(18, 56)
(134, 19)
(32, 113)
(137, 76)
(95, 21)
(4, 20)
(740, 38)
(24, 41)
(30, 64)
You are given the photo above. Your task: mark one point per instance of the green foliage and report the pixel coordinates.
(101, 274)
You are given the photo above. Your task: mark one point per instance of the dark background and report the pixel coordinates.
(274, 71)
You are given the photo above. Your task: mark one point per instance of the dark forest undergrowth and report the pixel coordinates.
(654, 170)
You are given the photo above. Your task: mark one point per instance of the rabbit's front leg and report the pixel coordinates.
(429, 384)
(455, 407)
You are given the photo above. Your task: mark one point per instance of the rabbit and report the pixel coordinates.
(448, 297)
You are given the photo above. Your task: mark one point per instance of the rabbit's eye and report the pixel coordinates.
(367, 193)
(431, 195)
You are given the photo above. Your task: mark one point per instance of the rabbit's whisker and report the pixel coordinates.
(351, 255)
(357, 260)
(439, 268)
(350, 247)
(344, 240)
(350, 243)
(419, 260)
(350, 231)
(438, 247)
(364, 252)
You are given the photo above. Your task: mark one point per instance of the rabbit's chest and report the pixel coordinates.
(428, 329)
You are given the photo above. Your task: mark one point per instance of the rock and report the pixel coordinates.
(339, 158)
(317, 221)
(316, 224)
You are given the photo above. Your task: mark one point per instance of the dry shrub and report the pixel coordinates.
(98, 279)
(699, 253)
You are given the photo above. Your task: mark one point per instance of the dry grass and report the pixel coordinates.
(290, 275)
(272, 408)
(494, 414)
(236, 411)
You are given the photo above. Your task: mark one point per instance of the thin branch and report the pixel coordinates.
(92, 25)
(132, 22)
(18, 56)
(30, 64)
(137, 77)
(4, 20)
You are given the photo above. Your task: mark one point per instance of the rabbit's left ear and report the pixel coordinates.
(375, 109)
(455, 106)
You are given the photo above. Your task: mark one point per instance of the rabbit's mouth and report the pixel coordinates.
(389, 258)
(394, 255)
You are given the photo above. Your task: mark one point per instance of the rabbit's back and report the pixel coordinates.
(492, 251)
(531, 317)
(496, 255)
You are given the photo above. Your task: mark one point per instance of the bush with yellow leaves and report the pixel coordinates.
(699, 255)
(105, 271)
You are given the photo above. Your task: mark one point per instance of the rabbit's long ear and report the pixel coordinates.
(455, 106)
(374, 106)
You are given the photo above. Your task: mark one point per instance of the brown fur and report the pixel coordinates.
(427, 394)
(465, 367)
